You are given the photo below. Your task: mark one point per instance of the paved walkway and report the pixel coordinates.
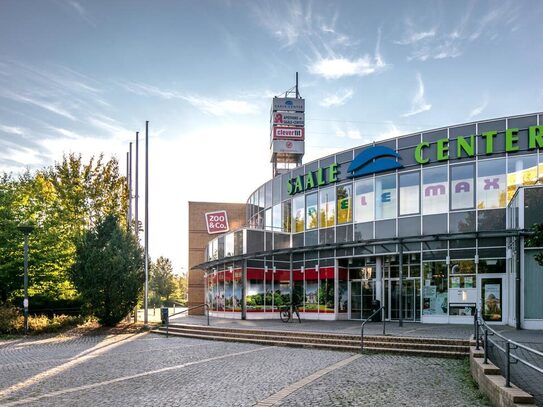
(149, 369)
(340, 327)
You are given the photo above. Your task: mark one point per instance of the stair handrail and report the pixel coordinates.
(206, 305)
(382, 308)
(510, 344)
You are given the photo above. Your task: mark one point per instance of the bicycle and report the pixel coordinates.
(286, 312)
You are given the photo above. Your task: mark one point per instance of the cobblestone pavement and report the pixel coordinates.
(149, 369)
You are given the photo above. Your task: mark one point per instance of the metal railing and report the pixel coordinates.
(382, 308)
(187, 310)
(519, 363)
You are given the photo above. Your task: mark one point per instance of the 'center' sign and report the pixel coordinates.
(217, 222)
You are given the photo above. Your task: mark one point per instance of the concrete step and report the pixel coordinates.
(350, 346)
(339, 340)
(319, 335)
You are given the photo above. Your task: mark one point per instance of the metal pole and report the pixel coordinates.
(128, 189)
(146, 290)
(476, 330)
(486, 347)
(25, 300)
(508, 364)
(297, 93)
(129, 185)
(400, 324)
(136, 196)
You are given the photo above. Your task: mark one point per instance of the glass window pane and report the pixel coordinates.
(462, 186)
(385, 197)
(298, 214)
(363, 206)
(520, 171)
(491, 184)
(434, 291)
(287, 220)
(276, 224)
(344, 204)
(327, 207)
(435, 190)
(311, 216)
(268, 219)
(409, 193)
(269, 193)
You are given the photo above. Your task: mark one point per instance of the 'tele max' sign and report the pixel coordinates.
(217, 222)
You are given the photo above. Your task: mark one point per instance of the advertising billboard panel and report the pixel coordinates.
(288, 133)
(217, 222)
(290, 119)
(288, 146)
(288, 104)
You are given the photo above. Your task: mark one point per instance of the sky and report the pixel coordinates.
(83, 76)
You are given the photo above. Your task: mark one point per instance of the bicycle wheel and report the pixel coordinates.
(284, 315)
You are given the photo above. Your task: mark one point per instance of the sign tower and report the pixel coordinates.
(287, 131)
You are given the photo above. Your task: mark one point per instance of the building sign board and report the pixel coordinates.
(289, 119)
(287, 133)
(217, 222)
(375, 159)
(288, 146)
(289, 104)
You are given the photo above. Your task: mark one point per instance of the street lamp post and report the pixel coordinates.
(26, 230)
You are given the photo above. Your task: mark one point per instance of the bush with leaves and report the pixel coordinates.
(108, 271)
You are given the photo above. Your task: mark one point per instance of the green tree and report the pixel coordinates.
(62, 202)
(162, 280)
(108, 270)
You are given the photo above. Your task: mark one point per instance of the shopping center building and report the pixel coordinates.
(430, 224)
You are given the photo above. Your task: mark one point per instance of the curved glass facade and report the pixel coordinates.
(322, 232)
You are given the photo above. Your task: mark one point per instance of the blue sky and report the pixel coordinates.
(83, 76)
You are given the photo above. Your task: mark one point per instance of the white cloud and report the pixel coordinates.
(479, 109)
(418, 104)
(334, 68)
(221, 107)
(11, 130)
(216, 107)
(43, 104)
(339, 99)
(391, 132)
(414, 37)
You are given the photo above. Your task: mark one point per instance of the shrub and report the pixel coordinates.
(12, 322)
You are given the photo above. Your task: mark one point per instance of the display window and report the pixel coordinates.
(434, 289)
(311, 217)
(255, 290)
(385, 197)
(520, 171)
(462, 186)
(298, 214)
(409, 193)
(491, 184)
(344, 203)
(327, 205)
(435, 190)
(363, 200)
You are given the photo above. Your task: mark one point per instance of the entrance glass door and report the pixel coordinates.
(409, 299)
(361, 296)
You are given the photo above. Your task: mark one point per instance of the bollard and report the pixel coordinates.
(486, 347)
(508, 364)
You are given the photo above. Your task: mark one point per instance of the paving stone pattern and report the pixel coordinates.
(191, 372)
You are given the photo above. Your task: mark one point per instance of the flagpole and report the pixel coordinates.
(146, 310)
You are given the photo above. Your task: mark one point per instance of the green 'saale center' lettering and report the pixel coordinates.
(466, 145)
(318, 178)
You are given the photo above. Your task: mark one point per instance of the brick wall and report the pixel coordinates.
(198, 239)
